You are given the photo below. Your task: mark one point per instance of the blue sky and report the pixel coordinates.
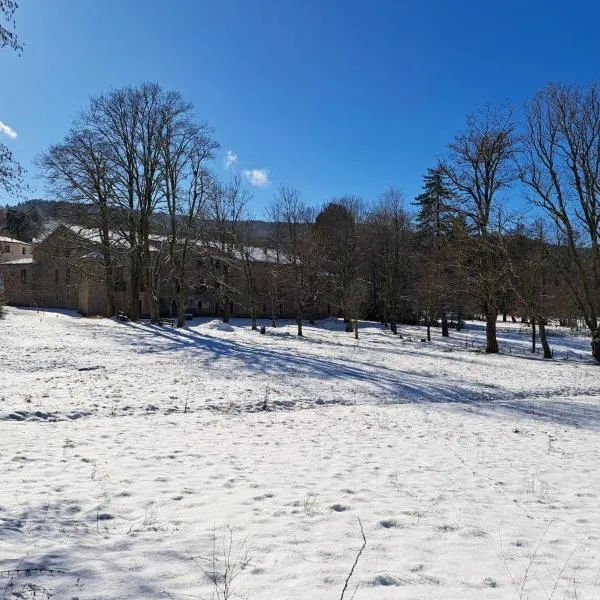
(334, 97)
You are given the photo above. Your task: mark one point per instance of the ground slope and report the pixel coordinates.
(130, 455)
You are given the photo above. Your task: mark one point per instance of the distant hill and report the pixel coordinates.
(33, 218)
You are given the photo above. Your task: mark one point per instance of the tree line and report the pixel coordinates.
(142, 160)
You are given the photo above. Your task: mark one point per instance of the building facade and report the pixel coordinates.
(66, 270)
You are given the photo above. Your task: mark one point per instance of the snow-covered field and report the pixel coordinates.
(133, 459)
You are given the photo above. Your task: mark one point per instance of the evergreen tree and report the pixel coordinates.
(434, 218)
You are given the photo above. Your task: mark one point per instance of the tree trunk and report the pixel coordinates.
(428, 328)
(504, 315)
(490, 332)
(253, 317)
(544, 339)
(459, 321)
(355, 329)
(445, 331)
(152, 302)
(180, 306)
(299, 323)
(134, 311)
(596, 344)
(513, 318)
(109, 286)
(225, 310)
(533, 335)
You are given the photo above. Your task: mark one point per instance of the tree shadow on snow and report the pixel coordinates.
(406, 386)
(55, 554)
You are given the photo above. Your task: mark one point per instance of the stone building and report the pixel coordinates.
(66, 270)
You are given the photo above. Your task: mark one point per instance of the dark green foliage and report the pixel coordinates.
(435, 215)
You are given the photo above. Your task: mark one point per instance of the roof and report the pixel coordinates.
(7, 240)
(255, 254)
(29, 260)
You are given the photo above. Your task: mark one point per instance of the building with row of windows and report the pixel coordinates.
(66, 270)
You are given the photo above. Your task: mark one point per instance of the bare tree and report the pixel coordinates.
(560, 164)
(302, 250)
(276, 267)
(79, 170)
(534, 278)
(187, 187)
(390, 239)
(11, 172)
(134, 123)
(339, 225)
(479, 166)
(8, 37)
(223, 214)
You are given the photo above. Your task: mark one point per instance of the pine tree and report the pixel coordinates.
(435, 224)
(434, 218)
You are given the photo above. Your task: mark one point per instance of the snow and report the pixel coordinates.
(130, 453)
(9, 240)
(29, 260)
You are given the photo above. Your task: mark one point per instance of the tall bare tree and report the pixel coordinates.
(79, 170)
(479, 167)
(388, 224)
(535, 279)
(302, 251)
(134, 123)
(561, 166)
(340, 226)
(224, 212)
(188, 185)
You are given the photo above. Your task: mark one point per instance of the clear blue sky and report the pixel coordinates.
(330, 96)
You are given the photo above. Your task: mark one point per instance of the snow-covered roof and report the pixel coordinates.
(256, 254)
(9, 240)
(28, 260)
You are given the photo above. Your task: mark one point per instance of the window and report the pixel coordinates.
(68, 276)
(56, 276)
(5, 249)
(264, 309)
(24, 250)
(23, 275)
